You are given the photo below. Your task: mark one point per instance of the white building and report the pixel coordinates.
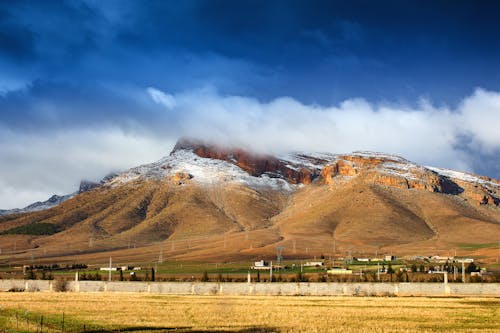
(339, 270)
(261, 264)
(314, 264)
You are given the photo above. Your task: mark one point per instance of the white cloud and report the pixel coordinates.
(162, 98)
(426, 134)
(34, 167)
(480, 118)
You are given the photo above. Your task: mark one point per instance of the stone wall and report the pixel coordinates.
(277, 288)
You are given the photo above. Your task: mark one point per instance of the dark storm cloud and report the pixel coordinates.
(80, 71)
(317, 51)
(16, 41)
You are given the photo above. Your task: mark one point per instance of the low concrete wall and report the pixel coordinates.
(276, 288)
(26, 285)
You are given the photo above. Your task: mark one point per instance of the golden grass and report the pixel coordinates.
(140, 312)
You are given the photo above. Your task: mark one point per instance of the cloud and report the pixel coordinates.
(426, 134)
(35, 166)
(480, 118)
(38, 163)
(160, 97)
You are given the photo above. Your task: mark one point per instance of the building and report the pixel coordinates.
(261, 264)
(314, 264)
(339, 271)
(441, 259)
(389, 258)
(465, 260)
(363, 259)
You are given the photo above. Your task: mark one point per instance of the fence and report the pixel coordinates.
(256, 288)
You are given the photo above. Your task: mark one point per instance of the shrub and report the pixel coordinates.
(60, 285)
(36, 229)
(301, 277)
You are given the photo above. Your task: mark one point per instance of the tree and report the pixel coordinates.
(258, 276)
(31, 275)
(390, 270)
(414, 268)
(152, 274)
(121, 275)
(204, 277)
(472, 268)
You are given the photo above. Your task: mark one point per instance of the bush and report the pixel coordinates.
(60, 285)
(476, 279)
(36, 229)
(31, 275)
(472, 268)
(301, 277)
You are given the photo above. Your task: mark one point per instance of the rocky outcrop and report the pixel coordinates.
(372, 168)
(479, 194)
(341, 167)
(180, 178)
(254, 164)
(87, 185)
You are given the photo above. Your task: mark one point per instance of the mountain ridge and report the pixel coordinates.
(243, 207)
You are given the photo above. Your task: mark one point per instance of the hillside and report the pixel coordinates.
(204, 202)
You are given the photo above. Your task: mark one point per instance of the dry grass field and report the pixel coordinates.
(21, 312)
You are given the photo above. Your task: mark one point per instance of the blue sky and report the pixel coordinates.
(88, 87)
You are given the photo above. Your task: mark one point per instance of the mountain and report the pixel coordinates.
(39, 205)
(206, 202)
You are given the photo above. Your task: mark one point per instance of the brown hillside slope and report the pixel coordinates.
(358, 204)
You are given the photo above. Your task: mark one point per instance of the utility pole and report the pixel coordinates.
(279, 251)
(160, 257)
(271, 272)
(110, 266)
(378, 271)
(463, 271)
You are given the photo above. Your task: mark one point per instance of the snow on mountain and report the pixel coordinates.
(466, 177)
(204, 171)
(37, 206)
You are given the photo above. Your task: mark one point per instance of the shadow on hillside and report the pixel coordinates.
(145, 329)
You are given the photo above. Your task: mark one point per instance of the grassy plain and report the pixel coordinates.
(135, 312)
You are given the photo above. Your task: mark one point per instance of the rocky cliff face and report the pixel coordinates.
(372, 168)
(254, 164)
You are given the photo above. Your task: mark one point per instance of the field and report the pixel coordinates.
(102, 312)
